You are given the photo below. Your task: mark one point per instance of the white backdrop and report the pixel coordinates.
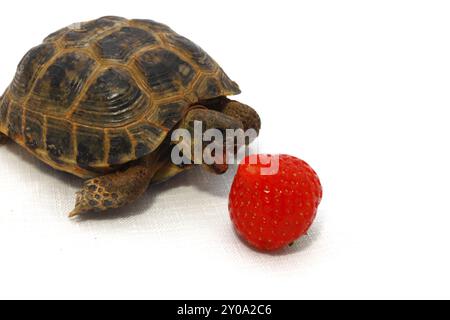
(359, 89)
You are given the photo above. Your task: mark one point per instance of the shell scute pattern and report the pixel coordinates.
(123, 43)
(170, 114)
(207, 88)
(90, 147)
(29, 67)
(120, 147)
(62, 82)
(59, 141)
(33, 131)
(80, 35)
(99, 94)
(114, 99)
(165, 72)
(15, 116)
(147, 137)
(193, 51)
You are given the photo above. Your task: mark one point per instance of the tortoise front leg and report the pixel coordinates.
(244, 113)
(3, 139)
(235, 109)
(116, 189)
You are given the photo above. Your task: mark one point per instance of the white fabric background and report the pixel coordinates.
(359, 89)
(178, 233)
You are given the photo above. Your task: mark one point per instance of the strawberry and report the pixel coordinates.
(272, 211)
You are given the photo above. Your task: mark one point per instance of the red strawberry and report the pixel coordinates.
(272, 211)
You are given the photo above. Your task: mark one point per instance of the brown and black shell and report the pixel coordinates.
(100, 94)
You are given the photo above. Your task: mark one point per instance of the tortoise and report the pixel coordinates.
(100, 99)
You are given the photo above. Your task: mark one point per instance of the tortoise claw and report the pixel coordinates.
(74, 213)
(81, 205)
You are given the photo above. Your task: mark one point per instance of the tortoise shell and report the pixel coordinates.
(100, 94)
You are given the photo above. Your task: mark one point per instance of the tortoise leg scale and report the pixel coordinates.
(117, 189)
